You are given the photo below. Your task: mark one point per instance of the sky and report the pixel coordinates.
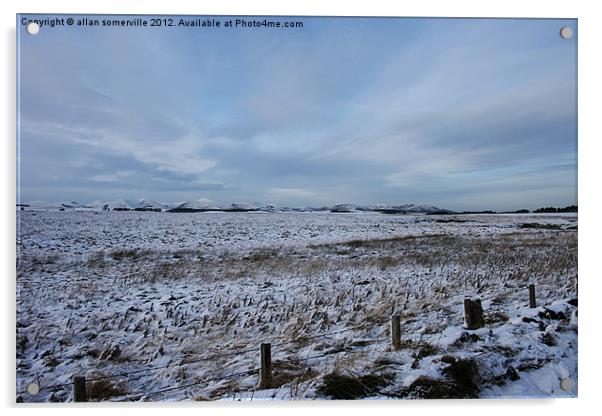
(464, 114)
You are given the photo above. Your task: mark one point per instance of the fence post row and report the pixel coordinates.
(473, 317)
(395, 332)
(532, 303)
(79, 389)
(265, 373)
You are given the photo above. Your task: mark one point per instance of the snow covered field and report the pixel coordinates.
(165, 306)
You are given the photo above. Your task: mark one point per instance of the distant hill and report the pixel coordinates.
(206, 205)
(570, 208)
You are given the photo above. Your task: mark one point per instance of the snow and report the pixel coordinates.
(191, 296)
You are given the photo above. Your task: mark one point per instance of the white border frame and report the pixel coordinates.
(590, 68)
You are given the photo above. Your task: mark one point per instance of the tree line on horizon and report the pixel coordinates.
(570, 208)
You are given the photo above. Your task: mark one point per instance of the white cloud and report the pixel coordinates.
(292, 192)
(179, 154)
(112, 177)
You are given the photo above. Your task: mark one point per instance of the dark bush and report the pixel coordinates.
(340, 387)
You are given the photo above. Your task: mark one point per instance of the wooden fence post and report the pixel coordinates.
(79, 389)
(473, 313)
(532, 303)
(395, 332)
(265, 373)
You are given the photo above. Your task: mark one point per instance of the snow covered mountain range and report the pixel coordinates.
(204, 204)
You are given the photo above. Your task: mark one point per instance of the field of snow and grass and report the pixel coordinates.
(162, 306)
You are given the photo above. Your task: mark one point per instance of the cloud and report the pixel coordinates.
(292, 192)
(115, 177)
(358, 110)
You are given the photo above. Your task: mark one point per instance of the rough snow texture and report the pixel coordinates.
(189, 297)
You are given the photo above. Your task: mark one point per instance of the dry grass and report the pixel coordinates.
(490, 261)
(45, 259)
(105, 389)
(349, 387)
(291, 372)
(461, 381)
(132, 254)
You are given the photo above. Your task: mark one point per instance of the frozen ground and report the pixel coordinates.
(162, 306)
